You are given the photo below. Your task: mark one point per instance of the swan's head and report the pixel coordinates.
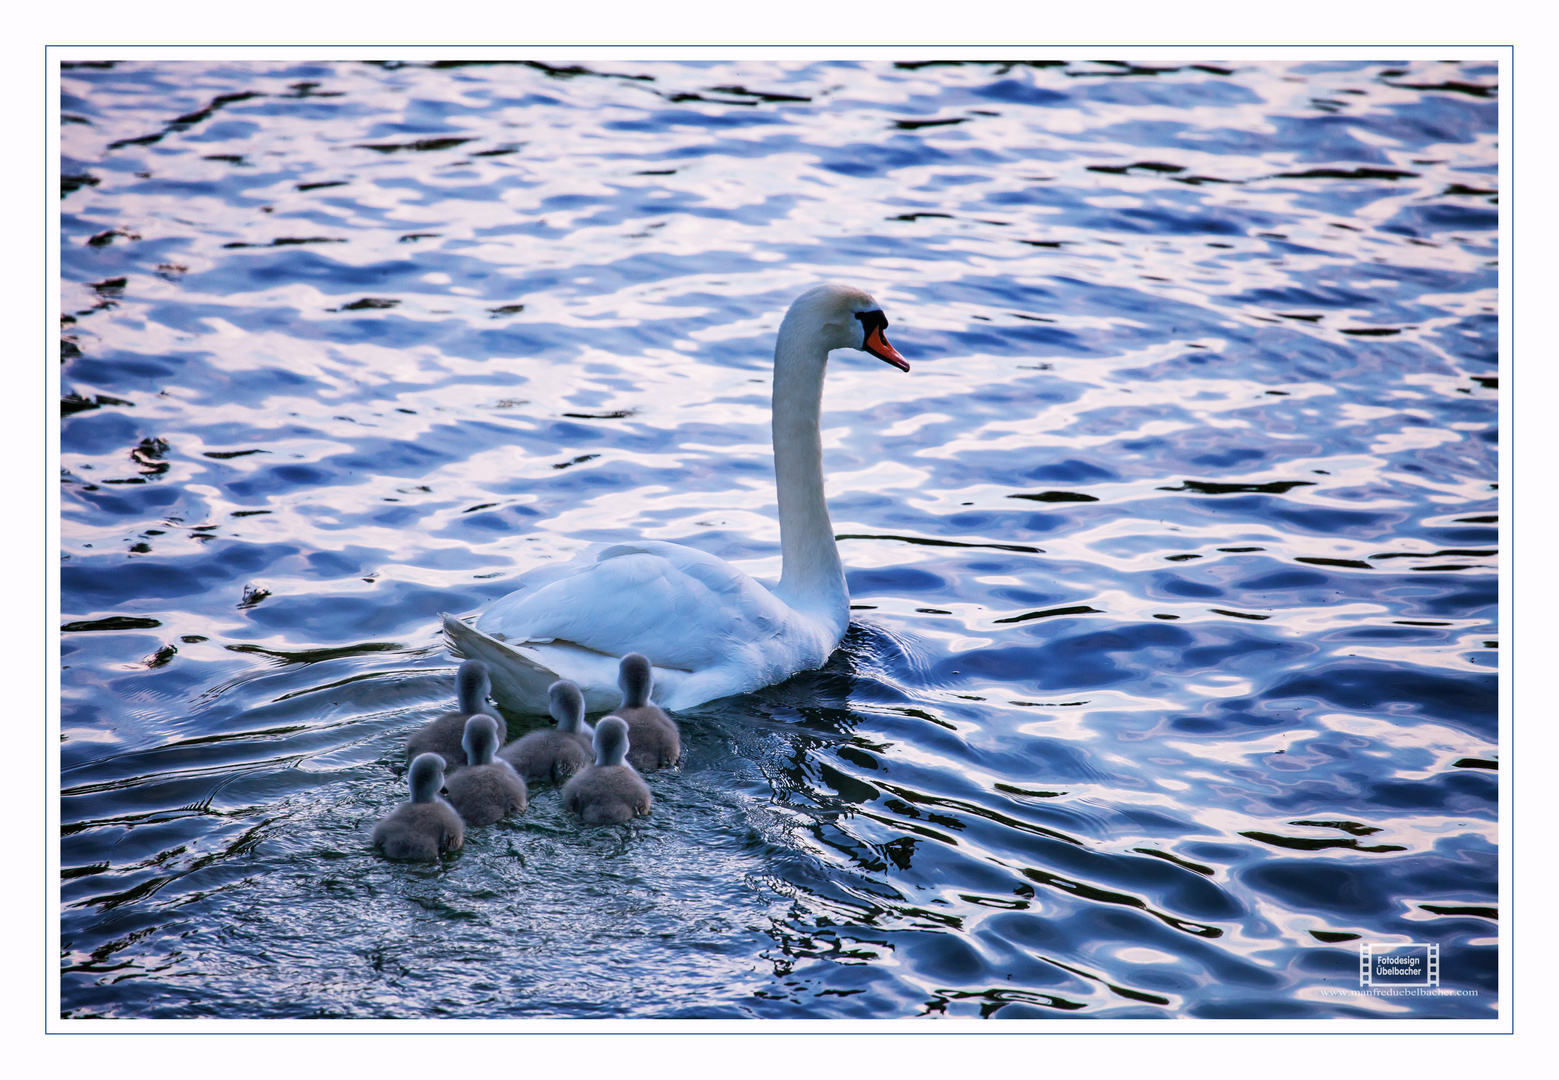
(425, 777)
(611, 741)
(481, 739)
(633, 679)
(472, 685)
(842, 317)
(567, 705)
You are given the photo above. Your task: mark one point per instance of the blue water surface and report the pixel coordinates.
(1173, 673)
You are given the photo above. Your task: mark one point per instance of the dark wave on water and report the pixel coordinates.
(1174, 559)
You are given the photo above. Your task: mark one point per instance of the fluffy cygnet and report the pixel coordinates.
(552, 755)
(653, 738)
(426, 827)
(445, 736)
(486, 790)
(611, 791)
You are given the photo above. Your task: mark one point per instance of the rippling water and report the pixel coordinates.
(1173, 675)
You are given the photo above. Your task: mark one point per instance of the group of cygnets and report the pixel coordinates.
(462, 754)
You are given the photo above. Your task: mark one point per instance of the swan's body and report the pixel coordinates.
(654, 741)
(552, 755)
(486, 790)
(611, 791)
(708, 629)
(426, 827)
(445, 736)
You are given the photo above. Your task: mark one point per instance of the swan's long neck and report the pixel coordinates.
(811, 578)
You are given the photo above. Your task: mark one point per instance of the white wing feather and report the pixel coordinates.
(708, 629)
(678, 606)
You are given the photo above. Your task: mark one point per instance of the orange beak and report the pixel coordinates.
(878, 346)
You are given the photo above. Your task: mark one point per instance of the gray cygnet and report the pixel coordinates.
(445, 736)
(654, 740)
(486, 790)
(611, 791)
(426, 827)
(552, 755)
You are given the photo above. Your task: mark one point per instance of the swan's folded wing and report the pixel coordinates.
(520, 679)
(680, 607)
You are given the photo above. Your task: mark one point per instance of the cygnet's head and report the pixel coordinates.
(567, 705)
(611, 741)
(472, 685)
(425, 777)
(480, 740)
(841, 317)
(634, 680)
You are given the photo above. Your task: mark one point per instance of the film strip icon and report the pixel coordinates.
(1413, 964)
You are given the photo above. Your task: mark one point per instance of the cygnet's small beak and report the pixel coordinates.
(878, 346)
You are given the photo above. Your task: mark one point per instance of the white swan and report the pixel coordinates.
(708, 629)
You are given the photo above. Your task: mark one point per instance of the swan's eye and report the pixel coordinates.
(872, 320)
(872, 323)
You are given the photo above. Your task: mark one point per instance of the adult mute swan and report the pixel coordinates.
(708, 629)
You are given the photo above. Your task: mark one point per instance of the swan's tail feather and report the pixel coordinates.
(519, 681)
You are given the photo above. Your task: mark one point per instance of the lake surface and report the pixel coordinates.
(1173, 672)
